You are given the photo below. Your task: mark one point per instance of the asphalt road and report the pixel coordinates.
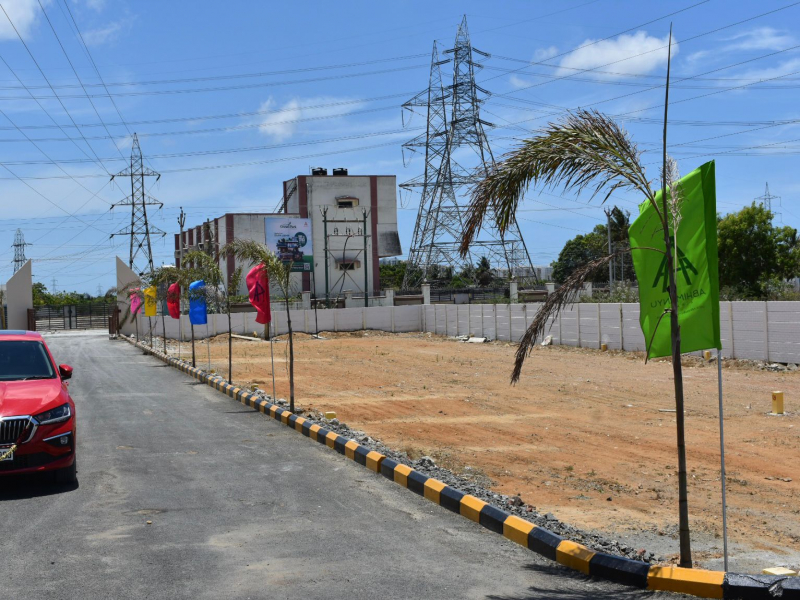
(241, 507)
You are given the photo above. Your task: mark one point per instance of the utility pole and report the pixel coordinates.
(366, 269)
(139, 229)
(19, 250)
(181, 223)
(610, 251)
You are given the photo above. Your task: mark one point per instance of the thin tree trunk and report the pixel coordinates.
(194, 363)
(291, 357)
(230, 347)
(164, 330)
(677, 371)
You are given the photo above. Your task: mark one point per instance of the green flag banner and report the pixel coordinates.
(695, 264)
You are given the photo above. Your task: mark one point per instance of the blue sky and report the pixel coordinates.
(230, 99)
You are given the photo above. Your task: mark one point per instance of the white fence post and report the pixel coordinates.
(599, 329)
(730, 328)
(766, 330)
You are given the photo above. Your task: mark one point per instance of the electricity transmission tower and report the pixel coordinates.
(140, 229)
(767, 198)
(454, 131)
(19, 250)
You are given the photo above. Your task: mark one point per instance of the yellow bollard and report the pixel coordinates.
(707, 354)
(777, 403)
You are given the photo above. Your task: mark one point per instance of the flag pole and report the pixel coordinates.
(722, 464)
(272, 359)
(208, 345)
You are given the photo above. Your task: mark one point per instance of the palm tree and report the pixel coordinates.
(163, 277)
(279, 273)
(586, 151)
(208, 269)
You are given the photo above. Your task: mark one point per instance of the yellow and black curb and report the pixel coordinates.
(697, 582)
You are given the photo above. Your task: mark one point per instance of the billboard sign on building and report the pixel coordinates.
(290, 239)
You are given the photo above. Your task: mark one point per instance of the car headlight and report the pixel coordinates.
(56, 415)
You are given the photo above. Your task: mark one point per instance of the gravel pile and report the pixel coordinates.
(511, 504)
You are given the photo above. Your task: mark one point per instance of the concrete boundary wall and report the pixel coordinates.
(398, 319)
(750, 330)
(767, 331)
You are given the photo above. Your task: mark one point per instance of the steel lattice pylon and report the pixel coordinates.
(140, 229)
(19, 250)
(454, 122)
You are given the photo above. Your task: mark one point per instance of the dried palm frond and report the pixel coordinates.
(585, 151)
(567, 294)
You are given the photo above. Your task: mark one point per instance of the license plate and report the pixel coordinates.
(5, 454)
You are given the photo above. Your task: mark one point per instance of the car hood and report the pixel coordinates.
(30, 397)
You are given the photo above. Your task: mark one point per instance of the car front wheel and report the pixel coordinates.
(68, 474)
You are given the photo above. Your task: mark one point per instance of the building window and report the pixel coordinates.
(346, 202)
(348, 265)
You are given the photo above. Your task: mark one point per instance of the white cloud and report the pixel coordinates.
(102, 35)
(696, 56)
(96, 5)
(789, 67)
(281, 125)
(23, 13)
(543, 54)
(518, 82)
(638, 54)
(761, 38)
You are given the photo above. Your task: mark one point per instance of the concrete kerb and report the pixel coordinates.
(696, 582)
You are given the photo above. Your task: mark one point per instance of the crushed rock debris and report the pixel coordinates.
(511, 504)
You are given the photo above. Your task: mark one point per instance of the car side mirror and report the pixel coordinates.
(65, 371)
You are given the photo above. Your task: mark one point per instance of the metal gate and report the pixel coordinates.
(75, 316)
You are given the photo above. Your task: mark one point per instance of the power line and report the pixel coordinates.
(718, 29)
(64, 51)
(33, 58)
(228, 77)
(230, 87)
(54, 162)
(605, 39)
(234, 115)
(237, 150)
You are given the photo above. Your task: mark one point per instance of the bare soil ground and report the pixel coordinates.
(585, 435)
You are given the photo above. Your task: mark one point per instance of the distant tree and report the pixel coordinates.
(483, 271)
(582, 249)
(579, 252)
(753, 253)
(392, 275)
(40, 294)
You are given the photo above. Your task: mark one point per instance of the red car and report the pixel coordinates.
(37, 414)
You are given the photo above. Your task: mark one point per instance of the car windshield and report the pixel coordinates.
(22, 360)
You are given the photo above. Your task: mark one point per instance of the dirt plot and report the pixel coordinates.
(584, 435)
